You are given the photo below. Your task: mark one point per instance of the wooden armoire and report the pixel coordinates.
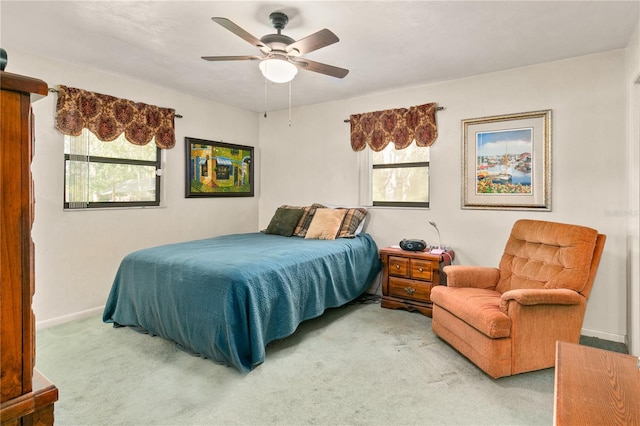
(27, 397)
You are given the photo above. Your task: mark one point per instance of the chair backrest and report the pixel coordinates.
(541, 254)
(595, 262)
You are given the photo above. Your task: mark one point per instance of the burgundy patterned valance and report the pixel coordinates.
(108, 117)
(401, 126)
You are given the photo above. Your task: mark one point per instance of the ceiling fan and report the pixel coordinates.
(281, 54)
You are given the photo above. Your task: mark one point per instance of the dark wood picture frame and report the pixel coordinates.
(218, 169)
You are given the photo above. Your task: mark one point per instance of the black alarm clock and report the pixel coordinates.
(413, 245)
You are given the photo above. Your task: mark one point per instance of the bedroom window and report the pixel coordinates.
(110, 174)
(400, 178)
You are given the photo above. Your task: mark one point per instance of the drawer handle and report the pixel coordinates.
(420, 270)
(397, 266)
(409, 290)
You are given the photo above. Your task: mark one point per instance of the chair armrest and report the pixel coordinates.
(556, 296)
(472, 276)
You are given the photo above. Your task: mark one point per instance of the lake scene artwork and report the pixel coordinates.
(503, 161)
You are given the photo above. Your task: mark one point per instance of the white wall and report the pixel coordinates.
(632, 84)
(312, 161)
(77, 253)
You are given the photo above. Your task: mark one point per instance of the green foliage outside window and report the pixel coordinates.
(110, 174)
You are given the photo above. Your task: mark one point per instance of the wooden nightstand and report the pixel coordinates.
(408, 276)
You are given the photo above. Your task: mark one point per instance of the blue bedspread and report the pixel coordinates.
(226, 298)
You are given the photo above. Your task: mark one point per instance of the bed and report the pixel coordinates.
(226, 298)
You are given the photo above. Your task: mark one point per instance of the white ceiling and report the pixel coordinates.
(384, 44)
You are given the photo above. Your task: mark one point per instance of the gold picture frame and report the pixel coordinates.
(506, 162)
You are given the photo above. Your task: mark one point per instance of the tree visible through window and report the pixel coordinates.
(400, 177)
(110, 174)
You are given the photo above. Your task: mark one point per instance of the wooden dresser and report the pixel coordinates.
(27, 397)
(409, 276)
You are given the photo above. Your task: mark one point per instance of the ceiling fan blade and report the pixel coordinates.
(313, 42)
(251, 39)
(232, 58)
(306, 64)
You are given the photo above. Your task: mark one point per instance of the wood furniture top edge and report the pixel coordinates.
(585, 374)
(21, 83)
(398, 251)
(44, 393)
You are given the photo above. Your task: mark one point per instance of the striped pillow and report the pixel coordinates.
(352, 220)
(305, 220)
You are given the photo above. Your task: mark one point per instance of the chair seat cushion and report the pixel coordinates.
(478, 307)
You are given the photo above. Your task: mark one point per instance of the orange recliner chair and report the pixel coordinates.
(507, 320)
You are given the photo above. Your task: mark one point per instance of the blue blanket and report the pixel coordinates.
(226, 298)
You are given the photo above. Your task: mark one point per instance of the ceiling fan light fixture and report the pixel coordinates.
(278, 70)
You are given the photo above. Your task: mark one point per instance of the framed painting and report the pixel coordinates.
(218, 169)
(507, 162)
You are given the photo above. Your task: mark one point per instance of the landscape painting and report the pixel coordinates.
(218, 169)
(506, 161)
(503, 161)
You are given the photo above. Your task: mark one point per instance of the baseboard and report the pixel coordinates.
(71, 317)
(618, 338)
(98, 310)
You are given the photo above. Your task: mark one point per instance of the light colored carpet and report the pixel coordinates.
(355, 365)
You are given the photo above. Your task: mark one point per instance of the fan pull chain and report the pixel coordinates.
(265, 97)
(290, 103)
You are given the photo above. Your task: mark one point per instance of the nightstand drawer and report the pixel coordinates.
(408, 289)
(399, 266)
(422, 269)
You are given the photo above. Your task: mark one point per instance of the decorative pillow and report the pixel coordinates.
(305, 220)
(325, 224)
(353, 222)
(357, 218)
(284, 221)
